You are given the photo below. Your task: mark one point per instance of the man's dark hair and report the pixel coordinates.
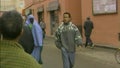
(88, 18)
(68, 14)
(11, 24)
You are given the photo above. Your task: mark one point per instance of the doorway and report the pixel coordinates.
(40, 16)
(53, 21)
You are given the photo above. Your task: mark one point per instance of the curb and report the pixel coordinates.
(106, 47)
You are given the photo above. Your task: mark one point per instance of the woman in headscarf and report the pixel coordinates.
(37, 36)
(26, 39)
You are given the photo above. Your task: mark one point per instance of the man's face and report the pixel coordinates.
(31, 20)
(66, 18)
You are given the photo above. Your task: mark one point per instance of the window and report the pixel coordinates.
(7, 5)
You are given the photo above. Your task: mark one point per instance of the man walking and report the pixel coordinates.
(88, 26)
(67, 36)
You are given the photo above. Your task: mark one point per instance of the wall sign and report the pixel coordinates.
(104, 6)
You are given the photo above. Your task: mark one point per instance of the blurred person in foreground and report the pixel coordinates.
(12, 55)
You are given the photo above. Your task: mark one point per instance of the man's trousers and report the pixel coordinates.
(68, 58)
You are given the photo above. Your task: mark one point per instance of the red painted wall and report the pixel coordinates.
(106, 28)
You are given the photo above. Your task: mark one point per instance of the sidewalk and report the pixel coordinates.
(104, 54)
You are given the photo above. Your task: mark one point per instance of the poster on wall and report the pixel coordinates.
(104, 6)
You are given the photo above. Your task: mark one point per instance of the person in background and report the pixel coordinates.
(12, 55)
(43, 26)
(88, 27)
(67, 37)
(26, 39)
(37, 36)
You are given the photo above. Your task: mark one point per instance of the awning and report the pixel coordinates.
(54, 5)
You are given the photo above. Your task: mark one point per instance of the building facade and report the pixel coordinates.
(52, 10)
(106, 22)
(6, 5)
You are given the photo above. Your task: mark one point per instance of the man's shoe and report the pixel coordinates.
(92, 46)
(40, 62)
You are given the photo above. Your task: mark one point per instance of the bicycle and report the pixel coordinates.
(117, 55)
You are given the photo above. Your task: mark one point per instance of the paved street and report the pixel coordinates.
(85, 57)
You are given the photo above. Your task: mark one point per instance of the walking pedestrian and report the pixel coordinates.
(37, 36)
(43, 26)
(26, 39)
(12, 55)
(88, 27)
(67, 36)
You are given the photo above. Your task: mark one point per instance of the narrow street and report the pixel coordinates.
(98, 20)
(52, 57)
